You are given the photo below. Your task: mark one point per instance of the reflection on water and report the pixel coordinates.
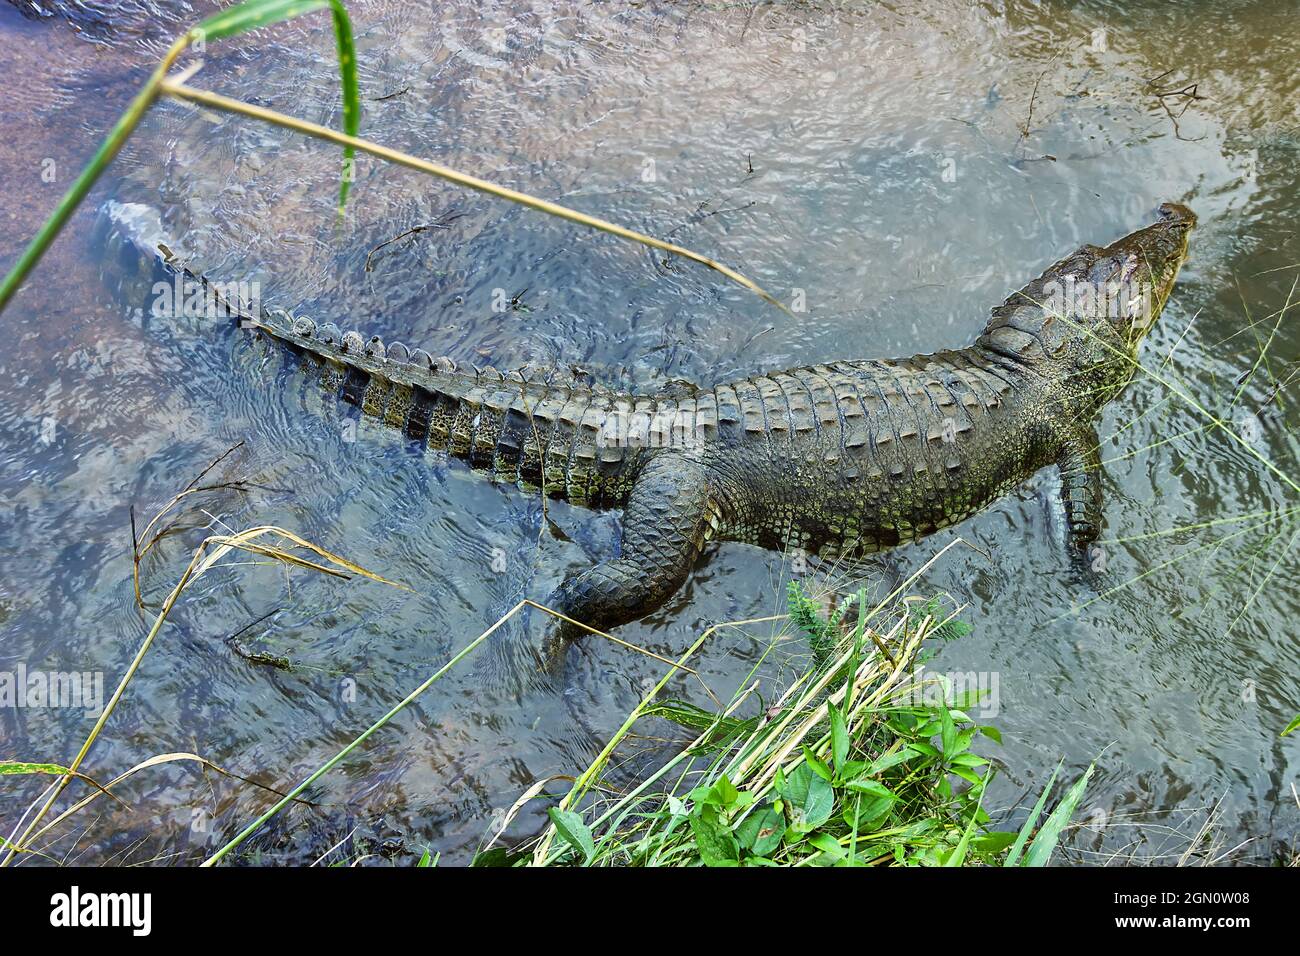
(902, 167)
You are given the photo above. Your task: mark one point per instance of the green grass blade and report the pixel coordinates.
(260, 13)
(1041, 849)
(251, 15)
(1017, 848)
(1295, 723)
(18, 766)
(351, 95)
(958, 856)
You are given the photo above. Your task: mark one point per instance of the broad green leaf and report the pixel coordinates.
(871, 788)
(760, 832)
(890, 760)
(810, 797)
(1292, 726)
(575, 833)
(497, 856)
(701, 795)
(947, 732)
(725, 792)
(715, 841)
(828, 845)
(851, 770)
(994, 842)
(871, 812)
(1040, 851)
(992, 733)
(817, 765)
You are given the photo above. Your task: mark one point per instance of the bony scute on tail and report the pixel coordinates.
(843, 457)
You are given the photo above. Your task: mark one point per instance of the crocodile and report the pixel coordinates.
(839, 458)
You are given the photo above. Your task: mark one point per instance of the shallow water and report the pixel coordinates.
(911, 164)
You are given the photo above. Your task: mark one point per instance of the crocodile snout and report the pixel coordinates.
(1178, 213)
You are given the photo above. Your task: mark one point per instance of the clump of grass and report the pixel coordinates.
(852, 765)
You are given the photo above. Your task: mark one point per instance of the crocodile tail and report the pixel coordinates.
(521, 426)
(539, 428)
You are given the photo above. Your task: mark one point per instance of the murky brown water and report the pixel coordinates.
(911, 163)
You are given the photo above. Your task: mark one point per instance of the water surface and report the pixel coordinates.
(901, 167)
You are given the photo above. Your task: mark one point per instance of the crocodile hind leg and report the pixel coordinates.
(666, 523)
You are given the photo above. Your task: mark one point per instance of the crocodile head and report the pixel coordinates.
(1086, 315)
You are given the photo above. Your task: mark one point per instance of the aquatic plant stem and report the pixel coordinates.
(218, 102)
(109, 149)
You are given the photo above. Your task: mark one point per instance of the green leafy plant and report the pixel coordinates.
(844, 769)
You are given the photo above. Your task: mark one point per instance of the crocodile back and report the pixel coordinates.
(860, 456)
